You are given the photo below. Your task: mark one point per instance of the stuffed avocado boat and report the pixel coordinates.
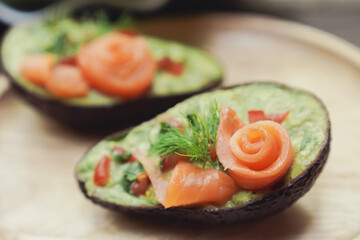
(235, 154)
(91, 71)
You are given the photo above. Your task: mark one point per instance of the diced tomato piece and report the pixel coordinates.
(259, 115)
(212, 151)
(141, 184)
(130, 32)
(120, 155)
(170, 66)
(256, 115)
(278, 117)
(169, 162)
(119, 150)
(102, 171)
(131, 159)
(68, 61)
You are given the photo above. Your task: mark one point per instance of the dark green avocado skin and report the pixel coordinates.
(119, 115)
(279, 199)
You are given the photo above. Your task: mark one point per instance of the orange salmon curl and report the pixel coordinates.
(256, 155)
(118, 64)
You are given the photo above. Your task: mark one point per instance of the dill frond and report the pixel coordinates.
(61, 45)
(196, 141)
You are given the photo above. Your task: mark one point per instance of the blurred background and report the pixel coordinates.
(340, 17)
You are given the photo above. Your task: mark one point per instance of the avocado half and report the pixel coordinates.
(64, 36)
(308, 125)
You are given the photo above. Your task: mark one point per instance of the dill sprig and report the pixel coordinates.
(62, 45)
(196, 141)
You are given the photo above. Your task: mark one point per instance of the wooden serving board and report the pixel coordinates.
(40, 199)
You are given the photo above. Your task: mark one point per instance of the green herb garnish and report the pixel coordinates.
(121, 158)
(130, 174)
(196, 141)
(133, 171)
(120, 155)
(62, 45)
(65, 44)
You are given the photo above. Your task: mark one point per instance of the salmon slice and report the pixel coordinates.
(188, 185)
(118, 64)
(257, 155)
(157, 178)
(66, 81)
(36, 68)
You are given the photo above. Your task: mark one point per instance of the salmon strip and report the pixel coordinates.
(66, 81)
(36, 68)
(257, 155)
(188, 184)
(157, 178)
(118, 64)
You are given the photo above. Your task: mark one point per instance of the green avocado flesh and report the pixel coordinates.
(306, 124)
(200, 68)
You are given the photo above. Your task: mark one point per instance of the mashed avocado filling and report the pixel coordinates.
(63, 37)
(306, 125)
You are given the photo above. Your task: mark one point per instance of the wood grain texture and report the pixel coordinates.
(41, 200)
